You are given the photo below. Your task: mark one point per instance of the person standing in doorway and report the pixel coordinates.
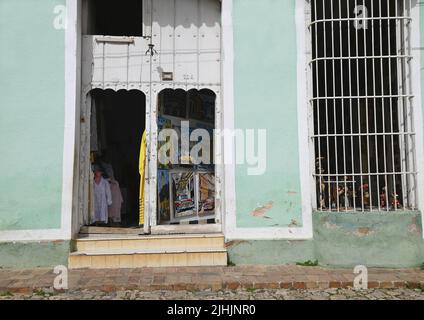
(102, 198)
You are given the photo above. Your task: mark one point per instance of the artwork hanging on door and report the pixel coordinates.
(206, 187)
(183, 193)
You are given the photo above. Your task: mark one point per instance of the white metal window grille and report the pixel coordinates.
(363, 132)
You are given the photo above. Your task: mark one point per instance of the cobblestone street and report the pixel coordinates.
(288, 282)
(260, 294)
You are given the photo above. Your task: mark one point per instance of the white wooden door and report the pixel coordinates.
(186, 43)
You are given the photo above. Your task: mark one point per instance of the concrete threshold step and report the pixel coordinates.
(155, 243)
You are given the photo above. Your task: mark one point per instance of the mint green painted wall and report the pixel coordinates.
(266, 98)
(31, 115)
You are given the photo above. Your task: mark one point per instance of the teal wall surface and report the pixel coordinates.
(265, 76)
(344, 240)
(32, 82)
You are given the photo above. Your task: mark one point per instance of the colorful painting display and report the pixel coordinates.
(183, 193)
(206, 193)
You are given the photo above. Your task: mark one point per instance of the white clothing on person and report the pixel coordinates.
(102, 199)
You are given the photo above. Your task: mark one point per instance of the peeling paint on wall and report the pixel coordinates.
(260, 211)
(363, 231)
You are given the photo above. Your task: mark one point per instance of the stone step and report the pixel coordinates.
(103, 251)
(149, 243)
(125, 258)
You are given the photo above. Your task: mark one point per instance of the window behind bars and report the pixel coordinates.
(363, 131)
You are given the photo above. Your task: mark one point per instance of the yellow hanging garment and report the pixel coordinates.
(142, 170)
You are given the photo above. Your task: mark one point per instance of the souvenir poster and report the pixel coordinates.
(164, 209)
(183, 194)
(206, 193)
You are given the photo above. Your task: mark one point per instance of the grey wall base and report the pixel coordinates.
(23, 255)
(391, 240)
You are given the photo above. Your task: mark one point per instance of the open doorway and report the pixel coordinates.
(186, 183)
(117, 126)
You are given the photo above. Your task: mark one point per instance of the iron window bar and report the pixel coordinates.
(362, 105)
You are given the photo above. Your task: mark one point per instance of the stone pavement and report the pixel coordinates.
(249, 278)
(208, 294)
